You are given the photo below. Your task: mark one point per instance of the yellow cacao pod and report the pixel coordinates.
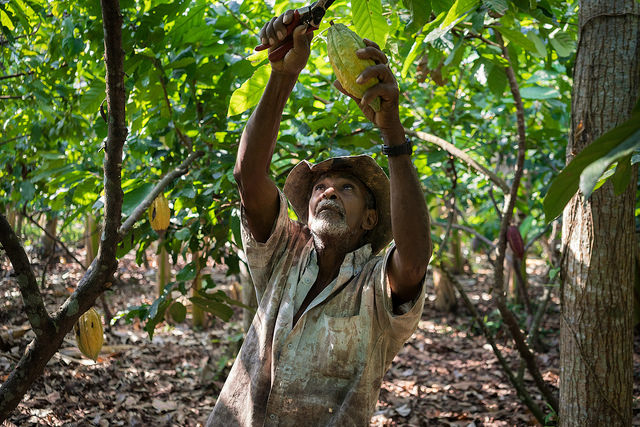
(342, 44)
(159, 213)
(88, 331)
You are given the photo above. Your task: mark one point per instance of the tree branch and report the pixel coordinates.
(468, 230)
(144, 205)
(455, 151)
(13, 76)
(55, 239)
(32, 299)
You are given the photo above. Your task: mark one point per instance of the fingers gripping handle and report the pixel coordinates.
(287, 43)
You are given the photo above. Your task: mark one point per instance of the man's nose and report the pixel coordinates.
(329, 193)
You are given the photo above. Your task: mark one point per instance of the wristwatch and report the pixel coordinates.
(397, 150)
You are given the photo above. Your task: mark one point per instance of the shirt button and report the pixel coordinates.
(289, 345)
(272, 416)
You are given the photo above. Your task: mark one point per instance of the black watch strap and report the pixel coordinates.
(397, 150)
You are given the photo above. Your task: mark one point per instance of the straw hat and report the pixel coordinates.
(298, 185)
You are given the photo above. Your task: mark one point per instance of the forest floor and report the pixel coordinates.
(446, 375)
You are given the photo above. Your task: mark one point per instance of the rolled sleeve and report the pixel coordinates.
(262, 256)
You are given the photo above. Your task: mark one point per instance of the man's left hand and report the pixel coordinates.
(388, 118)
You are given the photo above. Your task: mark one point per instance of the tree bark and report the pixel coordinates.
(598, 234)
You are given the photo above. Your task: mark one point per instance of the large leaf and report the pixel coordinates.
(456, 13)
(135, 196)
(248, 95)
(516, 36)
(420, 11)
(538, 92)
(562, 43)
(369, 22)
(565, 185)
(592, 173)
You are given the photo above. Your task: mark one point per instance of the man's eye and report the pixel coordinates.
(348, 187)
(319, 187)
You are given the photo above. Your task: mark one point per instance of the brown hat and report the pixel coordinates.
(297, 188)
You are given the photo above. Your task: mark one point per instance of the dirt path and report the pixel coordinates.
(446, 375)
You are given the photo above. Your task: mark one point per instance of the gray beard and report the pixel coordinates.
(329, 225)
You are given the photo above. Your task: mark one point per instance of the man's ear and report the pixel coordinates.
(370, 219)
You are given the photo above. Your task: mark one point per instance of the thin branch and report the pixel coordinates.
(520, 389)
(468, 230)
(32, 299)
(144, 205)
(6, 141)
(240, 21)
(539, 235)
(13, 76)
(183, 138)
(455, 151)
(55, 239)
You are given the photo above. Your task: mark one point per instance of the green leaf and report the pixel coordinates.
(538, 92)
(369, 22)
(562, 43)
(458, 11)
(515, 36)
(134, 197)
(248, 95)
(420, 10)
(188, 273)
(497, 80)
(499, 6)
(218, 309)
(622, 176)
(592, 173)
(565, 185)
(178, 311)
(540, 46)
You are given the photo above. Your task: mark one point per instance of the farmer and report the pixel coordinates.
(331, 314)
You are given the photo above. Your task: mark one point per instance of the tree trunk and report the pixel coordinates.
(91, 240)
(197, 313)
(163, 275)
(446, 300)
(598, 235)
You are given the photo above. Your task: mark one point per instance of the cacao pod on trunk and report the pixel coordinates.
(342, 44)
(515, 241)
(159, 213)
(89, 334)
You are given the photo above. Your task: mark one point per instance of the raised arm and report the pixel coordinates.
(409, 215)
(258, 192)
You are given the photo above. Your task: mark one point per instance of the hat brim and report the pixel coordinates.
(298, 184)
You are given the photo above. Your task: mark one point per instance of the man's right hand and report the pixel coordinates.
(275, 31)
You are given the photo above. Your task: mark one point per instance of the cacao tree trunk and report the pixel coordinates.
(92, 239)
(598, 234)
(197, 314)
(446, 299)
(163, 275)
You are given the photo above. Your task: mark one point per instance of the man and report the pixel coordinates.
(331, 315)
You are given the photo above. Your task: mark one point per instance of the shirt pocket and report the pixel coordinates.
(341, 346)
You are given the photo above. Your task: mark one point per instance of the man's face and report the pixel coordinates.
(337, 207)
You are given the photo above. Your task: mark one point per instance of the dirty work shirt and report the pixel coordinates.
(328, 368)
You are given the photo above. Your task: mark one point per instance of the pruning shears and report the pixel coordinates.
(310, 15)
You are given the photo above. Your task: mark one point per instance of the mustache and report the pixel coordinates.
(329, 204)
